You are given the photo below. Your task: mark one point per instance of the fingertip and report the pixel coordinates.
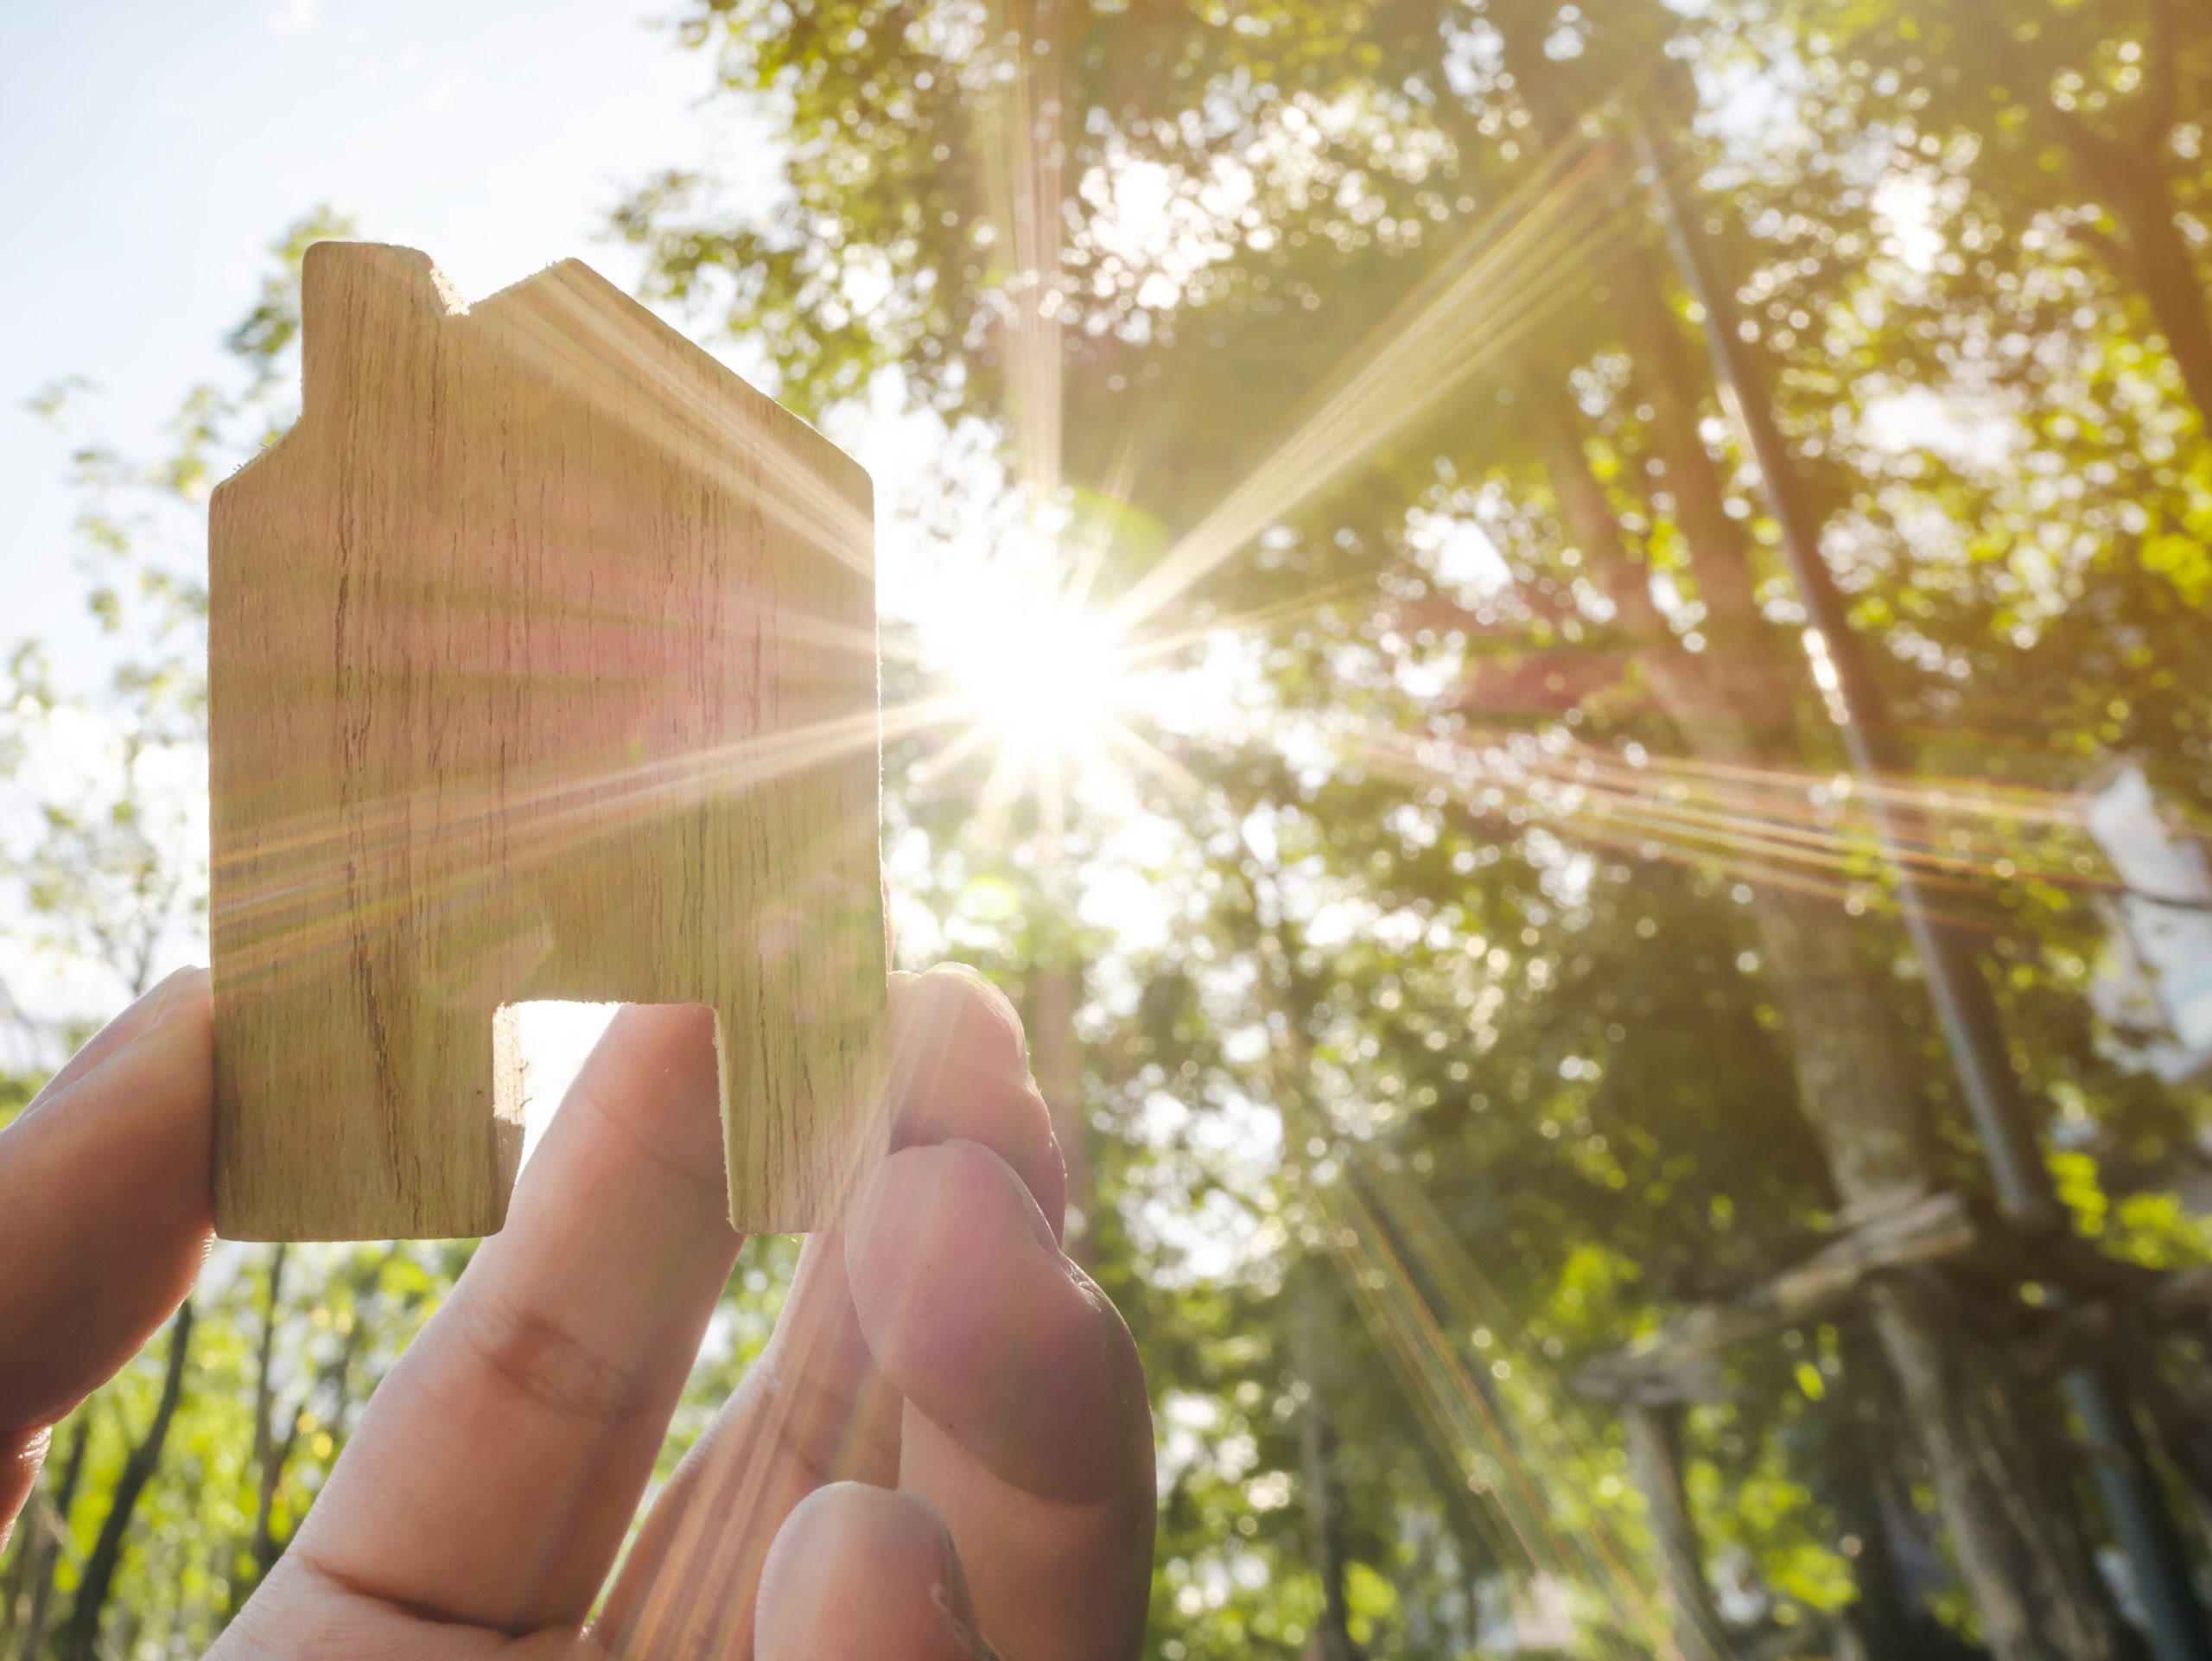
(864, 1573)
(189, 991)
(1027, 1422)
(183, 997)
(955, 1003)
(960, 1071)
(938, 1246)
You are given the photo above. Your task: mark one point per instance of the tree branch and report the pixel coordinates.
(1677, 1362)
(81, 1640)
(43, 1545)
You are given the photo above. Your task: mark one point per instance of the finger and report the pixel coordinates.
(1027, 1425)
(816, 1409)
(861, 1574)
(106, 1208)
(812, 1410)
(294, 1615)
(496, 1470)
(960, 1070)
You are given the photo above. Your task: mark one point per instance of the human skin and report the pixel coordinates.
(947, 1449)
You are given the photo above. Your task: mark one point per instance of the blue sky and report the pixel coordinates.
(151, 152)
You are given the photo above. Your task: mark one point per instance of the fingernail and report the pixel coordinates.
(171, 992)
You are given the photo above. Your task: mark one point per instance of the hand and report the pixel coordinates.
(946, 1446)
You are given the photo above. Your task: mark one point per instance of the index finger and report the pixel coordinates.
(495, 1471)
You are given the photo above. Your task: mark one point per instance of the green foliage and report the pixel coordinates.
(1546, 1021)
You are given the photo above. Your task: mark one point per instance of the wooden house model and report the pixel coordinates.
(542, 665)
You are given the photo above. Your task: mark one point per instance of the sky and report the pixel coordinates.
(152, 152)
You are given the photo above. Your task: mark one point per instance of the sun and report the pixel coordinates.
(1047, 671)
(1035, 680)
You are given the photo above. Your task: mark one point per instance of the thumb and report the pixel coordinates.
(105, 1213)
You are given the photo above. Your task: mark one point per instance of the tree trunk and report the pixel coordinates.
(2007, 1504)
(43, 1549)
(1654, 1456)
(2005, 1497)
(269, 1454)
(2182, 1418)
(2013, 1521)
(1324, 1496)
(1884, 1617)
(81, 1642)
(2013, 1515)
(2160, 260)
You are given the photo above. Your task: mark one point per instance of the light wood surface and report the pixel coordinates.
(540, 664)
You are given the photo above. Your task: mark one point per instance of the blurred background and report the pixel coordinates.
(1561, 650)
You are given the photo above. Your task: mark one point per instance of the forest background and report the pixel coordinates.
(1395, 761)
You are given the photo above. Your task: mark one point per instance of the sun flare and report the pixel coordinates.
(1035, 682)
(1044, 670)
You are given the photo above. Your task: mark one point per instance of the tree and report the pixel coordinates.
(80, 1640)
(1492, 122)
(2086, 126)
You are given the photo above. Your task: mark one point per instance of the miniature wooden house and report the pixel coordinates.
(540, 664)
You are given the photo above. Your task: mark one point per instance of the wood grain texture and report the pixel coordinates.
(540, 664)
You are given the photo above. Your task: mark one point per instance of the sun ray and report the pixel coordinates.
(1150, 757)
(1766, 839)
(1018, 135)
(1499, 281)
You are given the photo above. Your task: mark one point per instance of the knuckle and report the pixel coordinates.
(534, 1356)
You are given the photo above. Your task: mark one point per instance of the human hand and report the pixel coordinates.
(946, 1446)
